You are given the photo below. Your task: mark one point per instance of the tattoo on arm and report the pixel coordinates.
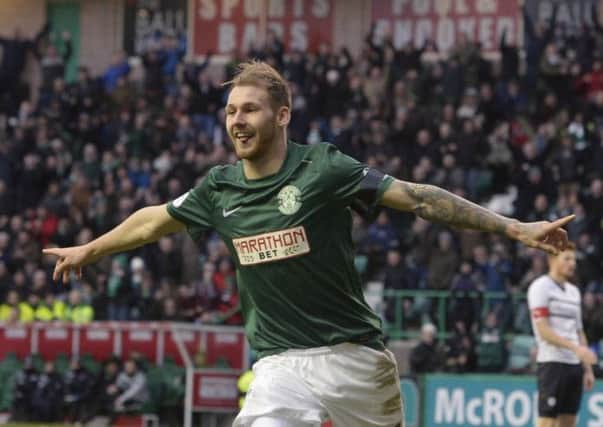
(438, 205)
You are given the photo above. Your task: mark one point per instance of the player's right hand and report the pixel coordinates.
(69, 260)
(586, 355)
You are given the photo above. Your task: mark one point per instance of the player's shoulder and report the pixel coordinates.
(573, 288)
(541, 283)
(224, 174)
(318, 155)
(314, 151)
(330, 157)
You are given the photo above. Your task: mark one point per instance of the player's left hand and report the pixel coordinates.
(545, 235)
(589, 380)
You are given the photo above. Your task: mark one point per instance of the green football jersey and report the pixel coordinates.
(290, 237)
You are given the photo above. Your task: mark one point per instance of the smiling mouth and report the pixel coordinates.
(242, 137)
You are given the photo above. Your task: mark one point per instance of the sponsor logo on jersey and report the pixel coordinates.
(226, 213)
(178, 202)
(289, 199)
(272, 246)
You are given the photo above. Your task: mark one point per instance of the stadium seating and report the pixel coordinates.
(521, 346)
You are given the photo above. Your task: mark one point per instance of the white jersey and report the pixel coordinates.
(561, 303)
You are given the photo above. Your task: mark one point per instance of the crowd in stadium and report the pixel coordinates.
(523, 137)
(78, 393)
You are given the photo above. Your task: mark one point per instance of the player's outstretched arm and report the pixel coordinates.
(438, 205)
(143, 226)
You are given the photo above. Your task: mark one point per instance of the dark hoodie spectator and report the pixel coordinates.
(47, 400)
(25, 384)
(78, 387)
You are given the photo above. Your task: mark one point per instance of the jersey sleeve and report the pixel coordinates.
(354, 183)
(538, 300)
(194, 209)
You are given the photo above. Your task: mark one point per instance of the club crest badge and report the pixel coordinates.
(289, 200)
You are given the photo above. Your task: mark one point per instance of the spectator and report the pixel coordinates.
(14, 52)
(381, 236)
(170, 312)
(590, 267)
(396, 277)
(28, 308)
(9, 309)
(167, 261)
(510, 58)
(443, 263)
(47, 399)
(491, 348)
(50, 308)
(118, 68)
(53, 64)
(427, 355)
(77, 311)
(460, 355)
(592, 199)
(464, 304)
(130, 390)
(104, 389)
(592, 318)
(25, 383)
(495, 272)
(154, 61)
(78, 386)
(227, 308)
(537, 37)
(119, 291)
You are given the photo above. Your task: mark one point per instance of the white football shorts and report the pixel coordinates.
(350, 384)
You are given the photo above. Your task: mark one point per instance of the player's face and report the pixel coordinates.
(565, 264)
(251, 122)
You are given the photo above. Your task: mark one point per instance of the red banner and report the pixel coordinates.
(54, 340)
(217, 346)
(98, 339)
(15, 339)
(226, 26)
(191, 339)
(227, 346)
(215, 390)
(140, 338)
(444, 20)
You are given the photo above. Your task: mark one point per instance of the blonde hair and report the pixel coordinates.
(258, 73)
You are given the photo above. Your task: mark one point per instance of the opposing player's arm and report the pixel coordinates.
(143, 226)
(582, 338)
(589, 376)
(438, 205)
(548, 334)
(584, 343)
(541, 322)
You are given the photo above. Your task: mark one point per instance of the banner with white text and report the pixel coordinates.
(146, 20)
(415, 21)
(227, 26)
(494, 400)
(571, 15)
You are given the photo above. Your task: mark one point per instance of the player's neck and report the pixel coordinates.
(558, 278)
(269, 164)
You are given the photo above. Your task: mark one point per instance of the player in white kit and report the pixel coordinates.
(564, 359)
